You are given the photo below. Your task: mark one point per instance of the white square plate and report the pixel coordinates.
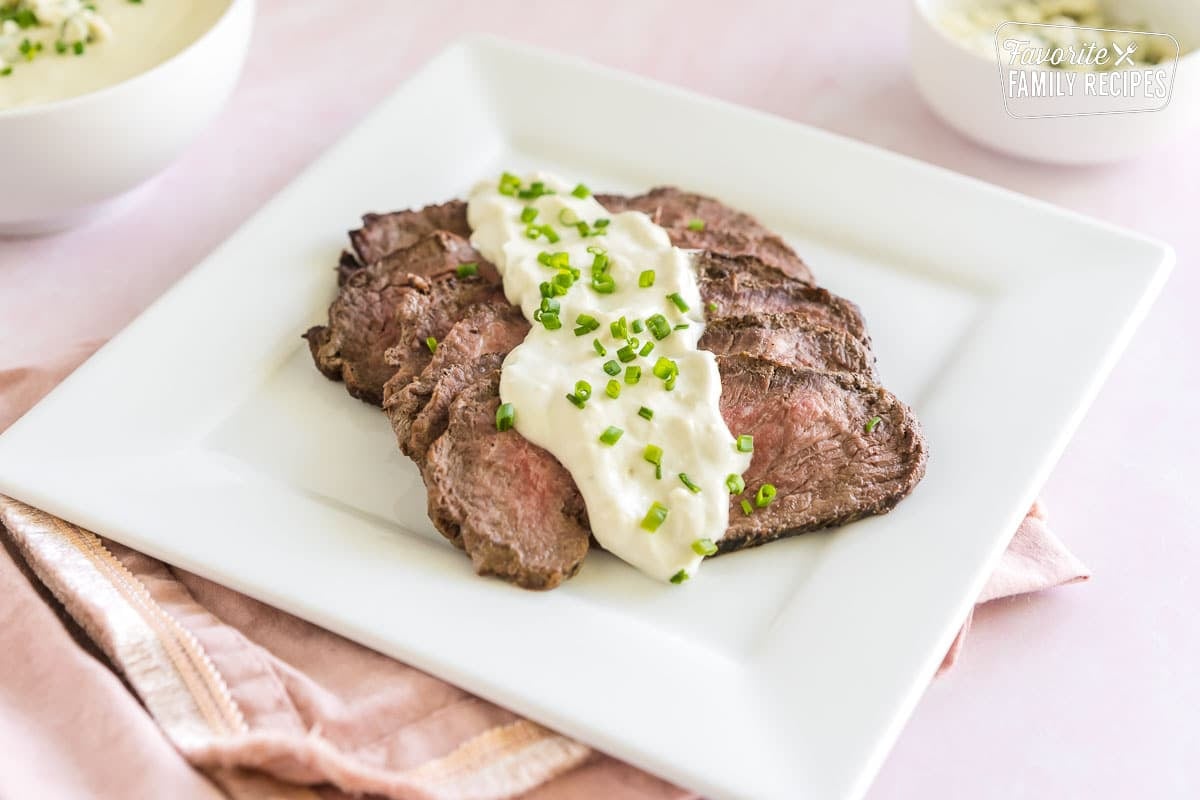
(203, 436)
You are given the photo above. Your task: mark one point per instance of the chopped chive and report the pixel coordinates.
(602, 222)
(633, 374)
(550, 234)
(658, 326)
(626, 354)
(551, 321)
(612, 368)
(712, 308)
(646, 279)
(431, 343)
(766, 493)
(528, 214)
(509, 184)
(535, 190)
(696, 225)
(653, 453)
(60, 47)
(577, 401)
(683, 326)
(873, 423)
(506, 416)
(658, 472)
(4, 73)
(646, 348)
(567, 217)
(704, 547)
(467, 269)
(611, 435)
(600, 349)
(637, 326)
(581, 191)
(603, 284)
(585, 323)
(559, 260)
(619, 329)
(655, 517)
(645, 413)
(686, 481)
(747, 509)
(665, 368)
(583, 390)
(77, 48)
(680, 303)
(745, 443)
(597, 250)
(735, 483)
(679, 577)
(613, 389)
(599, 262)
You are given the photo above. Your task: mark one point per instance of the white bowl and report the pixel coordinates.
(68, 159)
(963, 87)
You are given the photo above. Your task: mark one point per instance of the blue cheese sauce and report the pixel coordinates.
(610, 379)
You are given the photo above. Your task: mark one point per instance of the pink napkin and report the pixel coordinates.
(260, 702)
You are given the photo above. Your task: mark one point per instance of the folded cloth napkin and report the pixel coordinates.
(264, 704)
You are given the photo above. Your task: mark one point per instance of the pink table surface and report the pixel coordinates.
(1082, 692)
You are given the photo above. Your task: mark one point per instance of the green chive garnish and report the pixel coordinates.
(577, 401)
(665, 368)
(658, 326)
(613, 389)
(603, 284)
(528, 214)
(696, 225)
(612, 368)
(585, 324)
(712, 308)
(653, 453)
(679, 577)
(766, 493)
(633, 374)
(745, 443)
(599, 261)
(735, 483)
(683, 326)
(600, 349)
(679, 302)
(747, 509)
(619, 329)
(467, 269)
(596, 250)
(611, 435)
(655, 517)
(506, 416)
(646, 348)
(645, 413)
(431, 343)
(567, 217)
(602, 222)
(692, 487)
(704, 547)
(509, 184)
(873, 423)
(637, 326)
(646, 279)
(551, 321)
(626, 354)
(581, 191)
(583, 390)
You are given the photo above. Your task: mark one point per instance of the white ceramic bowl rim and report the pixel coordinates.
(54, 105)
(924, 7)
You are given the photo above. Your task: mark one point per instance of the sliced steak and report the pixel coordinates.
(811, 442)
(381, 234)
(362, 319)
(746, 285)
(726, 230)
(789, 339)
(509, 503)
(419, 409)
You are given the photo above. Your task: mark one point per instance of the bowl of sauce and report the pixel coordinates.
(98, 96)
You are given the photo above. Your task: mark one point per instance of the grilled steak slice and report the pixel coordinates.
(420, 408)
(530, 528)
(790, 339)
(745, 285)
(726, 230)
(381, 234)
(363, 322)
(811, 442)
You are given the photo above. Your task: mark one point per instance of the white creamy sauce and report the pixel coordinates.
(68, 47)
(618, 484)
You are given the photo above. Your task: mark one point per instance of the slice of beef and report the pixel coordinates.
(381, 234)
(362, 319)
(419, 409)
(511, 505)
(790, 339)
(746, 285)
(726, 230)
(811, 442)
